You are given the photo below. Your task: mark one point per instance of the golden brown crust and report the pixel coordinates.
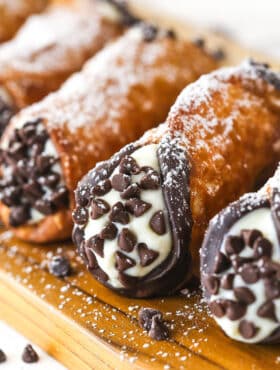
(125, 90)
(67, 34)
(13, 15)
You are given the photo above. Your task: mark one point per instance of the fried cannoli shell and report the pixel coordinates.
(51, 46)
(219, 137)
(13, 15)
(122, 92)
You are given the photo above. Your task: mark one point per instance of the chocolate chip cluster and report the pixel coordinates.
(91, 206)
(28, 178)
(257, 266)
(6, 113)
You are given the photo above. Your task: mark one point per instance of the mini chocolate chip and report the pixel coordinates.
(244, 295)
(59, 266)
(3, 356)
(82, 196)
(157, 223)
(44, 206)
(145, 316)
(97, 244)
(235, 310)
(60, 198)
(171, 34)
(272, 288)
(90, 259)
(100, 275)
(217, 308)
(19, 215)
(234, 245)
(11, 196)
(44, 162)
(119, 214)
(267, 310)
(149, 32)
(32, 189)
(137, 207)
(269, 268)
(150, 181)
(211, 284)
(132, 191)
(250, 273)
(123, 262)
(262, 247)
(147, 255)
(222, 263)
(17, 151)
(99, 208)
(128, 281)
(250, 236)
(78, 236)
(219, 54)
(238, 261)
(199, 42)
(127, 240)
(50, 180)
(29, 355)
(102, 188)
(80, 215)
(120, 181)
(129, 166)
(109, 231)
(159, 330)
(247, 329)
(227, 281)
(27, 133)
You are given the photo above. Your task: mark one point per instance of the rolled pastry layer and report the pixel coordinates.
(14, 12)
(141, 215)
(240, 266)
(51, 46)
(125, 90)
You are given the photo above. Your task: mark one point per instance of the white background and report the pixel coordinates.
(254, 23)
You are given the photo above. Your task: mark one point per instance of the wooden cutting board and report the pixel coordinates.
(86, 326)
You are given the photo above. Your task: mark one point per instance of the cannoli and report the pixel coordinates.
(51, 46)
(141, 215)
(123, 91)
(14, 12)
(240, 266)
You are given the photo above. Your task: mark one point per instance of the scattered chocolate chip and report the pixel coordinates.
(219, 54)
(222, 263)
(129, 166)
(249, 273)
(217, 308)
(250, 236)
(29, 355)
(159, 330)
(247, 329)
(171, 34)
(127, 240)
(267, 310)
(109, 231)
(128, 281)
(18, 216)
(132, 191)
(227, 281)
(82, 196)
(149, 32)
(269, 268)
(157, 223)
(78, 236)
(3, 356)
(80, 215)
(91, 261)
(199, 42)
(244, 295)
(97, 244)
(145, 316)
(211, 283)
(32, 190)
(44, 206)
(119, 214)
(60, 197)
(234, 244)
(262, 247)
(235, 310)
(102, 188)
(10, 196)
(272, 288)
(137, 207)
(150, 181)
(120, 182)
(123, 262)
(44, 163)
(147, 255)
(59, 266)
(50, 180)
(238, 261)
(100, 275)
(99, 208)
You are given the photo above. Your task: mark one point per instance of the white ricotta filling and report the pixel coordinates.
(261, 220)
(145, 156)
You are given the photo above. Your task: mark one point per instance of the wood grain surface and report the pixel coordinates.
(86, 326)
